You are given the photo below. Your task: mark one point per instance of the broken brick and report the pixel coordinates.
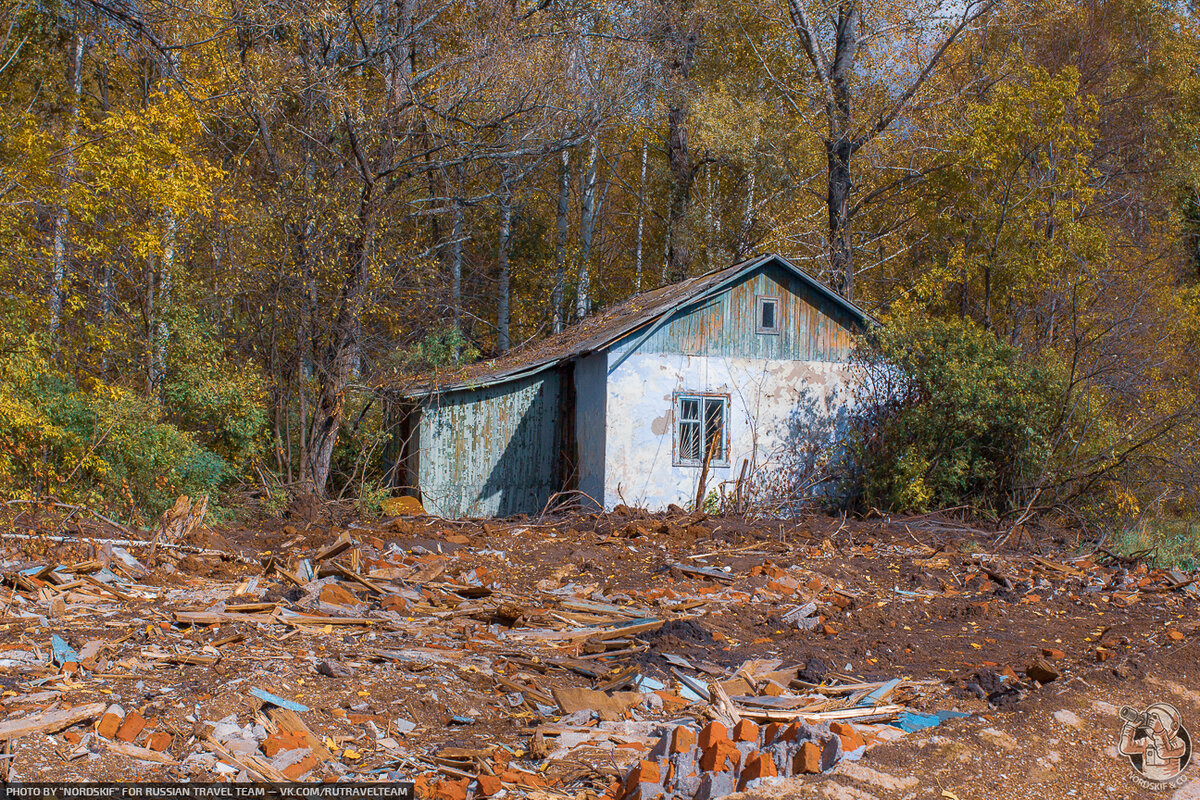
(278, 742)
(644, 772)
(131, 727)
(807, 760)
(712, 733)
(159, 741)
(1050, 652)
(488, 785)
(851, 739)
(451, 790)
(110, 722)
(723, 755)
(682, 740)
(745, 731)
(758, 765)
(296, 771)
(337, 596)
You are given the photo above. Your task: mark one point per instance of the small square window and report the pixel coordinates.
(700, 430)
(767, 314)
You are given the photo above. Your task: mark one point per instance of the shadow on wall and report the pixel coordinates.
(807, 468)
(522, 480)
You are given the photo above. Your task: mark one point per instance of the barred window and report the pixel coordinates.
(700, 432)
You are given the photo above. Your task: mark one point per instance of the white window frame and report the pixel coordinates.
(702, 399)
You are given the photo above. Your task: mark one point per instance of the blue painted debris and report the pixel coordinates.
(911, 721)
(459, 719)
(276, 700)
(106, 575)
(883, 691)
(63, 653)
(646, 684)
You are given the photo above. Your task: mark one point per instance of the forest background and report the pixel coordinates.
(223, 222)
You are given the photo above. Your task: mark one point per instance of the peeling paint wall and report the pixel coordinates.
(784, 388)
(773, 406)
(591, 393)
(811, 328)
(491, 451)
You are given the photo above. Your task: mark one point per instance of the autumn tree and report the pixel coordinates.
(868, 65)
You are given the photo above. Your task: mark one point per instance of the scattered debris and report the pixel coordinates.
(626, 655)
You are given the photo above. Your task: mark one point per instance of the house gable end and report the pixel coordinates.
(810, 324)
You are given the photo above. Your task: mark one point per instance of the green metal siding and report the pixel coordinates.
(811, 328)
(490, 451)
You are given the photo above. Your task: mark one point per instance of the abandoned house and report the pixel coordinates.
(702, 380)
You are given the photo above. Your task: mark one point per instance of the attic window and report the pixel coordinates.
(768, 314)
(700, 430)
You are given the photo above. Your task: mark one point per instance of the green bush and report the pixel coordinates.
(948, 416)
(222, 403)
(91, 443)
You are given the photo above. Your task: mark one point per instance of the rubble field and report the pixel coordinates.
(622, 655)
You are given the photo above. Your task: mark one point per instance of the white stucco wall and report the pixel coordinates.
(772, 402)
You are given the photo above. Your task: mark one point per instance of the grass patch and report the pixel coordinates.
(1173, 542)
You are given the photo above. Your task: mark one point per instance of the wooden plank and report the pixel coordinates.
(704, 572)
(528, 691)
(140, 753)
(877, 713)
(290, 722)
(252, 764)
(342, 544)
(104, 587)
(49, 722)
(354, 576)
(621, 631)
(305, 619)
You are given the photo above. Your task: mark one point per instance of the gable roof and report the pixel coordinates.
(600, 330)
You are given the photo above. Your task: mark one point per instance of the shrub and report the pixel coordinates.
(948, 415)
(222, 403)
(91, 444)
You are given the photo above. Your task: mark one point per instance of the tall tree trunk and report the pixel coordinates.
(679, 157)
(456, 260)
(743, 244)
(62, 218)
(841, 252)
(341, 355)
(560, 243)
(503, 302)
(458, 223)
(166, 285)
(637, 283)
(587, 228)
(709, 224)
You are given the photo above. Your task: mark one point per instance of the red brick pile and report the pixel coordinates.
(717, 761)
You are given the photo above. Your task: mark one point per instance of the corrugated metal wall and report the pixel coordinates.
(490, 451)
(811, 327)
